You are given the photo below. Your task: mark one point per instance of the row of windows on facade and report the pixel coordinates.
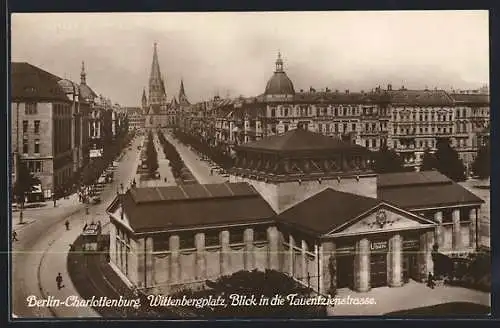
(212, 239)
(36, 126)
(36, 146)
(336, 111)
(409, 131)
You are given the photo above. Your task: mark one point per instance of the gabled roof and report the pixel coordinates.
(168, 208)
(29, 82)
(299, 140)
(326, 210)
(419, 190)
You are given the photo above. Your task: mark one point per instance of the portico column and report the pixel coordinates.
(456, 236)
(396, 260)
(439, 237)
(272, 249)
(473, 227)
(201, 261)
(141, 262)
(224, 253)
(291, 256)
(249, 261)
(362, 265)
(174, 243)
(425, 262)
(303, 259)
(112, 243)
(149, 261)
(328, 267)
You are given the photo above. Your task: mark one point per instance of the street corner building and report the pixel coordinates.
(58, 127)
(301, 203)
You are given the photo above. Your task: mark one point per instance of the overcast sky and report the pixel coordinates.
(235, 52)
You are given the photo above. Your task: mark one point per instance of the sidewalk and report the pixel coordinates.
(55, 256)
(52, 263)
(412, 295)
(64, 207)
(199, 168)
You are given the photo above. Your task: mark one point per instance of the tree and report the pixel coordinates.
(428, 161)
(151, 155)
(25, 183)
(388, 161)
(481, 165)
(448, 162)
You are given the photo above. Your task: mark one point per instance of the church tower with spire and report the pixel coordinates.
(155, 105)
(183, 101)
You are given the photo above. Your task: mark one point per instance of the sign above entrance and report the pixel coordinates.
(379, 245)
(411, 244)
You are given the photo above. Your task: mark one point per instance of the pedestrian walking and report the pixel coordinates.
(59, 281)
(14, 236)
(430, 281)
(66, 224)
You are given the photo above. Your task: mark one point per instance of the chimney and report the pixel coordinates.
(389, 87)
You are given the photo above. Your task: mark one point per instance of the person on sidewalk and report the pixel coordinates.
(66, 224)
(59, 281)
(14, 236)
(430, 281)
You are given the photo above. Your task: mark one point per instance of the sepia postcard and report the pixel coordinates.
(249, 164)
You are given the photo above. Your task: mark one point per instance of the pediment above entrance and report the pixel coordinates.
(380, 219)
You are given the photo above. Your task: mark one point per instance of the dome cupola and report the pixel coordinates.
(279, 84)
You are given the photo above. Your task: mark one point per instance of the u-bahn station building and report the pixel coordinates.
(301, 203)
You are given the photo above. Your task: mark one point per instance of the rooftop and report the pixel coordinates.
(29, 82)
(170, 208)
(300, 140)
(191, 192)
(428, 189)
(421, 97)
(327, 210)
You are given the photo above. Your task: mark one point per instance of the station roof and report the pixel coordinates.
(300, 140)
(327, 210)
(428, 189)
(196, 205)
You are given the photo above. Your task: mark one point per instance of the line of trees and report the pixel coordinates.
(445, 159)
(175, 161)
(388, 161)
(482, 164)
(151, 156)
(96, 166)
(218, 156)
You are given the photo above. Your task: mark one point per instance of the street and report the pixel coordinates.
(43, 243)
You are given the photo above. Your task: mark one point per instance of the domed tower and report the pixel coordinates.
(279, 85)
